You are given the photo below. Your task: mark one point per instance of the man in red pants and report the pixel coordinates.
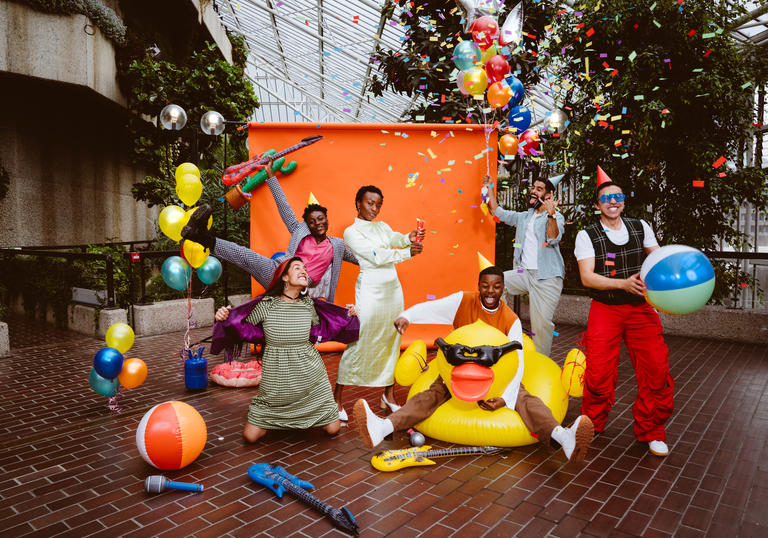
(610, 253)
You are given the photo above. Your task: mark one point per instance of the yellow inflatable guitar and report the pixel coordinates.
(394, 460)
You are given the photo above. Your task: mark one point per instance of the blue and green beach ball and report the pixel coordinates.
(678, 279)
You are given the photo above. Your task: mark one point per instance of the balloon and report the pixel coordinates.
(105, 387)
(531, 139)
(558, 121)
(171, 220)
(176, 272)
(508, 145)
(466, 55)
(108, 362)
(519, 119)
(186, 168)
(189, 212)
(485, 30)
(133, 374)
(189, 188)
(277, 255)
(518, 90)
(499, 94)
(512, 29)
(497, 67)
(210, 271)
(493, 50)
(194, 253)
(471, 9)
(678, 279)
(475, 81)
(120, 336)
(460, 83)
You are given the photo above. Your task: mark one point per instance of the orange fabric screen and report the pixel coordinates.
(430, 171)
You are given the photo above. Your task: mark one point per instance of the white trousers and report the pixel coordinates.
(543, 298)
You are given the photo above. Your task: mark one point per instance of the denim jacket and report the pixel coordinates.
(549, 260)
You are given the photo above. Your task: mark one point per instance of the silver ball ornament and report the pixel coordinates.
(417, 439)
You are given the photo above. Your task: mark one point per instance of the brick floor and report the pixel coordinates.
(70, 467)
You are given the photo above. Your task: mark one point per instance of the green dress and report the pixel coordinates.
(294, 392)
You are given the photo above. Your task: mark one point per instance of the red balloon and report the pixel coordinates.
(485, 30)
(497, 68)
(531, 139)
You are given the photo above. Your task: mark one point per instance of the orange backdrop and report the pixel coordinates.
(430, 171)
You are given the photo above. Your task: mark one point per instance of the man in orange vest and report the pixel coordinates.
(459, 309)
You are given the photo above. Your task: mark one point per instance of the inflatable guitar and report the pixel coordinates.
(235, 173)
(279, 481)
(394, 460)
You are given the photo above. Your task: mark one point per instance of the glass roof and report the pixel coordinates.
(309, 59)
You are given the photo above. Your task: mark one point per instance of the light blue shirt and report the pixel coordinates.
(549, 260)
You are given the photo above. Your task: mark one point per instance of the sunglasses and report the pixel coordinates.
(606, 198)
(458, 354)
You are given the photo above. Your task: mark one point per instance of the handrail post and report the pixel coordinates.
(110, 282)
(143, 297)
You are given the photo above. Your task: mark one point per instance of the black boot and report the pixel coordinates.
(197, 228)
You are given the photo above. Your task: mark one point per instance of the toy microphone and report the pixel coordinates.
(419, 228)
(158, 483)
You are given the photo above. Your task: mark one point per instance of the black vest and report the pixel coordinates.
(614, 261)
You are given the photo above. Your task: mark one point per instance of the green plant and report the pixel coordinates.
(100, 15)
(660, 96)
(423, 66)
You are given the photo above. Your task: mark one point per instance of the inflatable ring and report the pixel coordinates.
(462, 422)
(237, 374)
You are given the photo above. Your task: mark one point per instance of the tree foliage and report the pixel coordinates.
(423, 67)
(658, 93)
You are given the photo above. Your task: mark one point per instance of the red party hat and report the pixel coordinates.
(602, 177)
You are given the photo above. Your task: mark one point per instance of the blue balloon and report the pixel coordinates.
(108, 362)
(277, 255)
(105, 387)
(519, 119)
(518, 91)
(176, 272)
(210, 271)
(467, 55)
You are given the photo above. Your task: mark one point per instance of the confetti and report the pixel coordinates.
(431, 297)
(698, 183)
(719, 162)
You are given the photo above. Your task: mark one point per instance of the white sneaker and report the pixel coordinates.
(372, 429)
(576, 439)
(343, 415)
(658, 448)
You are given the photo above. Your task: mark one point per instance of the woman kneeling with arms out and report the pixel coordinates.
(294, 392)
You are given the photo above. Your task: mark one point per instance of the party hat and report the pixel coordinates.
(312, 199)
(483, 262)
(602, 177)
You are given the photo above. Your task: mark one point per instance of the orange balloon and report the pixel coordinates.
(133, 374)
(508, 145)
(499, 94)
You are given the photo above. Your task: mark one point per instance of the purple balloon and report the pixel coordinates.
(108, 362)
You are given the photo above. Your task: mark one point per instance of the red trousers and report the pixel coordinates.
(640, 327)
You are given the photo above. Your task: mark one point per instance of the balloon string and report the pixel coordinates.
(189, 315)
(112, 403)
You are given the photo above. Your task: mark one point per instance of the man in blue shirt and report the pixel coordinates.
(538, 268)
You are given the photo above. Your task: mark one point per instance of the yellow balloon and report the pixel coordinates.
(189, 188)
(194, 253)
(171, 220)
(493, 50)
(475, 80)
(189, 214)
(120, 336)
(186, 168)
(574, 368)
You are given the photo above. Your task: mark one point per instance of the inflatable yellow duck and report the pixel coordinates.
(460, 419)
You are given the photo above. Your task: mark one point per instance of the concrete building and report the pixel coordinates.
(63, 137)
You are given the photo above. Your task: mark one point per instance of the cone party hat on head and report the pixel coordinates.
(483, 262)
(555, 179)
(602, 177)
(312, 199)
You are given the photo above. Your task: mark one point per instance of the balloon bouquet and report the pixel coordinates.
(177, 270)
(484, 72)
(111, 370)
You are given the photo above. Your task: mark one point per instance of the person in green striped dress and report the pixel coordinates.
(294, 392)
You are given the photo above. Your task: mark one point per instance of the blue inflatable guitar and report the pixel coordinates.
(279, 481)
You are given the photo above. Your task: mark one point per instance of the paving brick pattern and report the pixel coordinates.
(70, 467)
